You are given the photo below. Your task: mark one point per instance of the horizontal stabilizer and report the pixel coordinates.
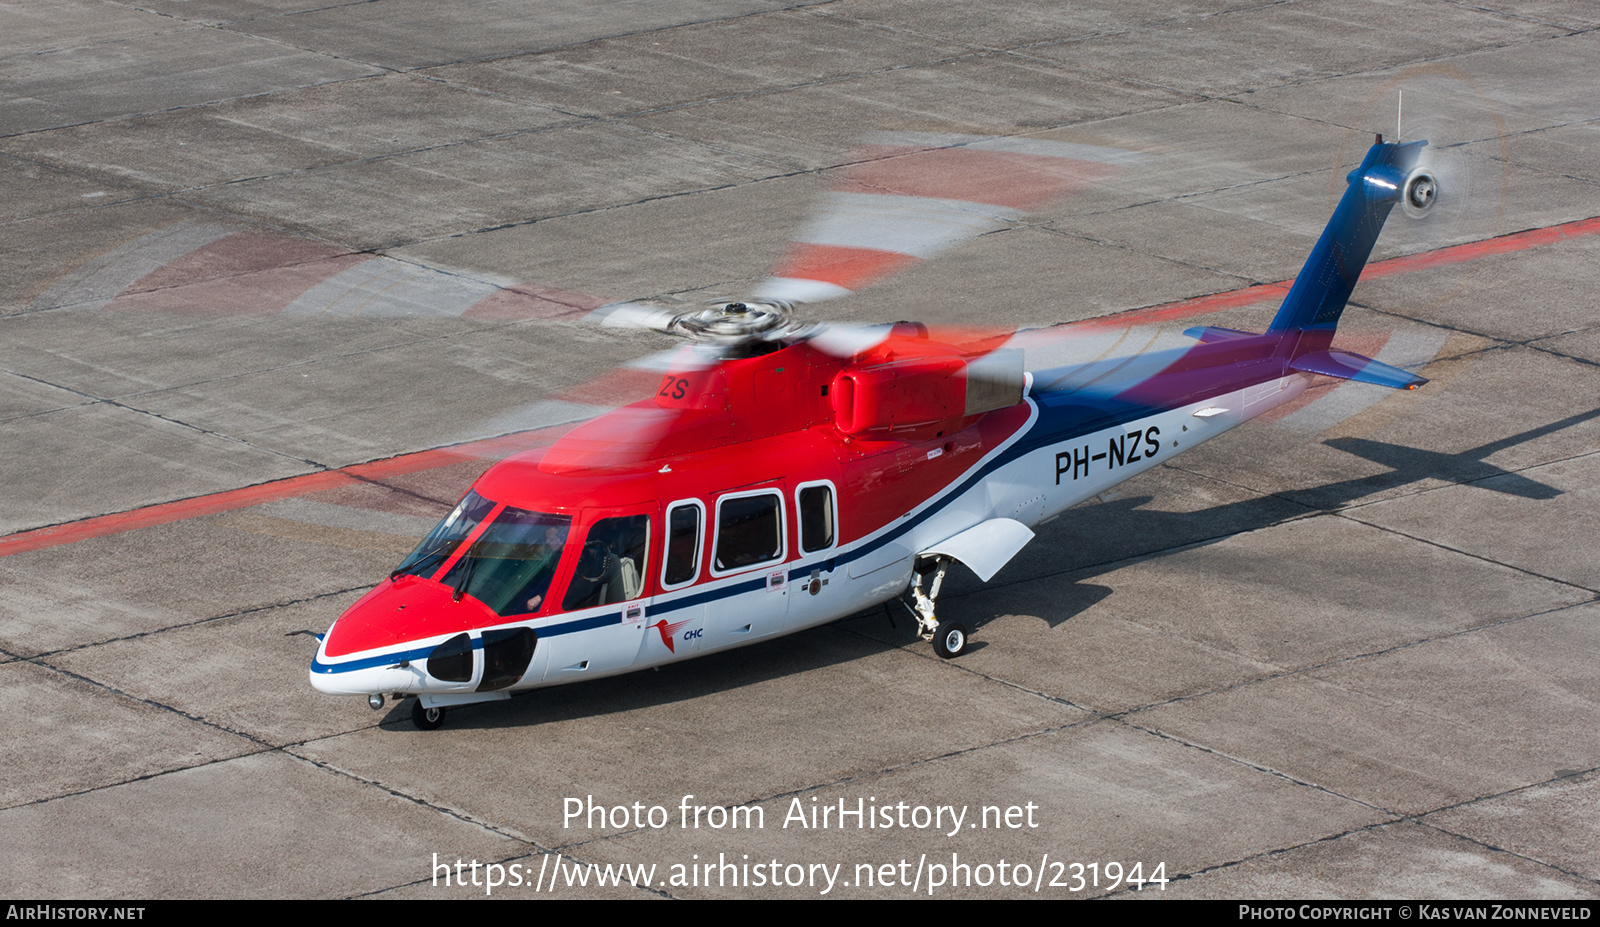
(1211, 334)
(1348, 366)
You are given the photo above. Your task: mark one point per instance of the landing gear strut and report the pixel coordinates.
(949, 637)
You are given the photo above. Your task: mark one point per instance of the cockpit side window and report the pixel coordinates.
(510, 566)
(446, 536)
(612, 566)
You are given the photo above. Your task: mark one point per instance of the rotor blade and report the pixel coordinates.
(1099, 360)
(911, 195)
(652, 316)
(630, 382)
(846, 340)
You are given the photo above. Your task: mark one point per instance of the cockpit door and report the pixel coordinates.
(675, 624)
(603, 605)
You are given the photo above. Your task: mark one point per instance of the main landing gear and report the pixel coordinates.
(949, 637)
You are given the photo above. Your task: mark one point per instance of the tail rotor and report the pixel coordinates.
(1459, 188)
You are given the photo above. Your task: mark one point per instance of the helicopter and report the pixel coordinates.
(786, 474)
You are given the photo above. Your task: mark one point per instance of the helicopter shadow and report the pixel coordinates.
(1409, 464)
(1095, 539)
(822, 649)
(1086, 542)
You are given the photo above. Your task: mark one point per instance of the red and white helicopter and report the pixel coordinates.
(788, 474)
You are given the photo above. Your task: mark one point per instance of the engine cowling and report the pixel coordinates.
(916, 392)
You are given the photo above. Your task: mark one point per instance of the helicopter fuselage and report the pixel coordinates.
(720, 546)
(788, 486)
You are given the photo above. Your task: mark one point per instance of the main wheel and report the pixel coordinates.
(950, 640)
(426, 719)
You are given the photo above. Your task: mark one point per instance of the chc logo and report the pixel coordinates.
(668, 630)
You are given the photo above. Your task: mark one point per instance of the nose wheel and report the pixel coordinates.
(426, 719)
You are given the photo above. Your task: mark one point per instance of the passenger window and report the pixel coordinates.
(683, 544)
(611, 567)
(749, 531)
(816, 518)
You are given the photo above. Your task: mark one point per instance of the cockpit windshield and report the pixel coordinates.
(510, 566)
(446, 536)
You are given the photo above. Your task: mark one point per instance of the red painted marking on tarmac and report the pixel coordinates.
(1455, 254)
(1505, 244)
(1189, 308)
(167, 512)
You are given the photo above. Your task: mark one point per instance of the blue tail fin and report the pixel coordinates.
(1319, 294)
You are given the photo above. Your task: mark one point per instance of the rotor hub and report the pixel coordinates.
(725, 323)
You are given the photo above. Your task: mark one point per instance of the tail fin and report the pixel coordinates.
(1319, 294)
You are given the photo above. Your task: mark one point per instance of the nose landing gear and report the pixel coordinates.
(426, 719)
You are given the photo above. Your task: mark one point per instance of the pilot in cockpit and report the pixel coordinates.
(542, 568)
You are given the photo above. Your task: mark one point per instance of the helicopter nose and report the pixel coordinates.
(389, 640)
(400, 611)
(335, 679)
